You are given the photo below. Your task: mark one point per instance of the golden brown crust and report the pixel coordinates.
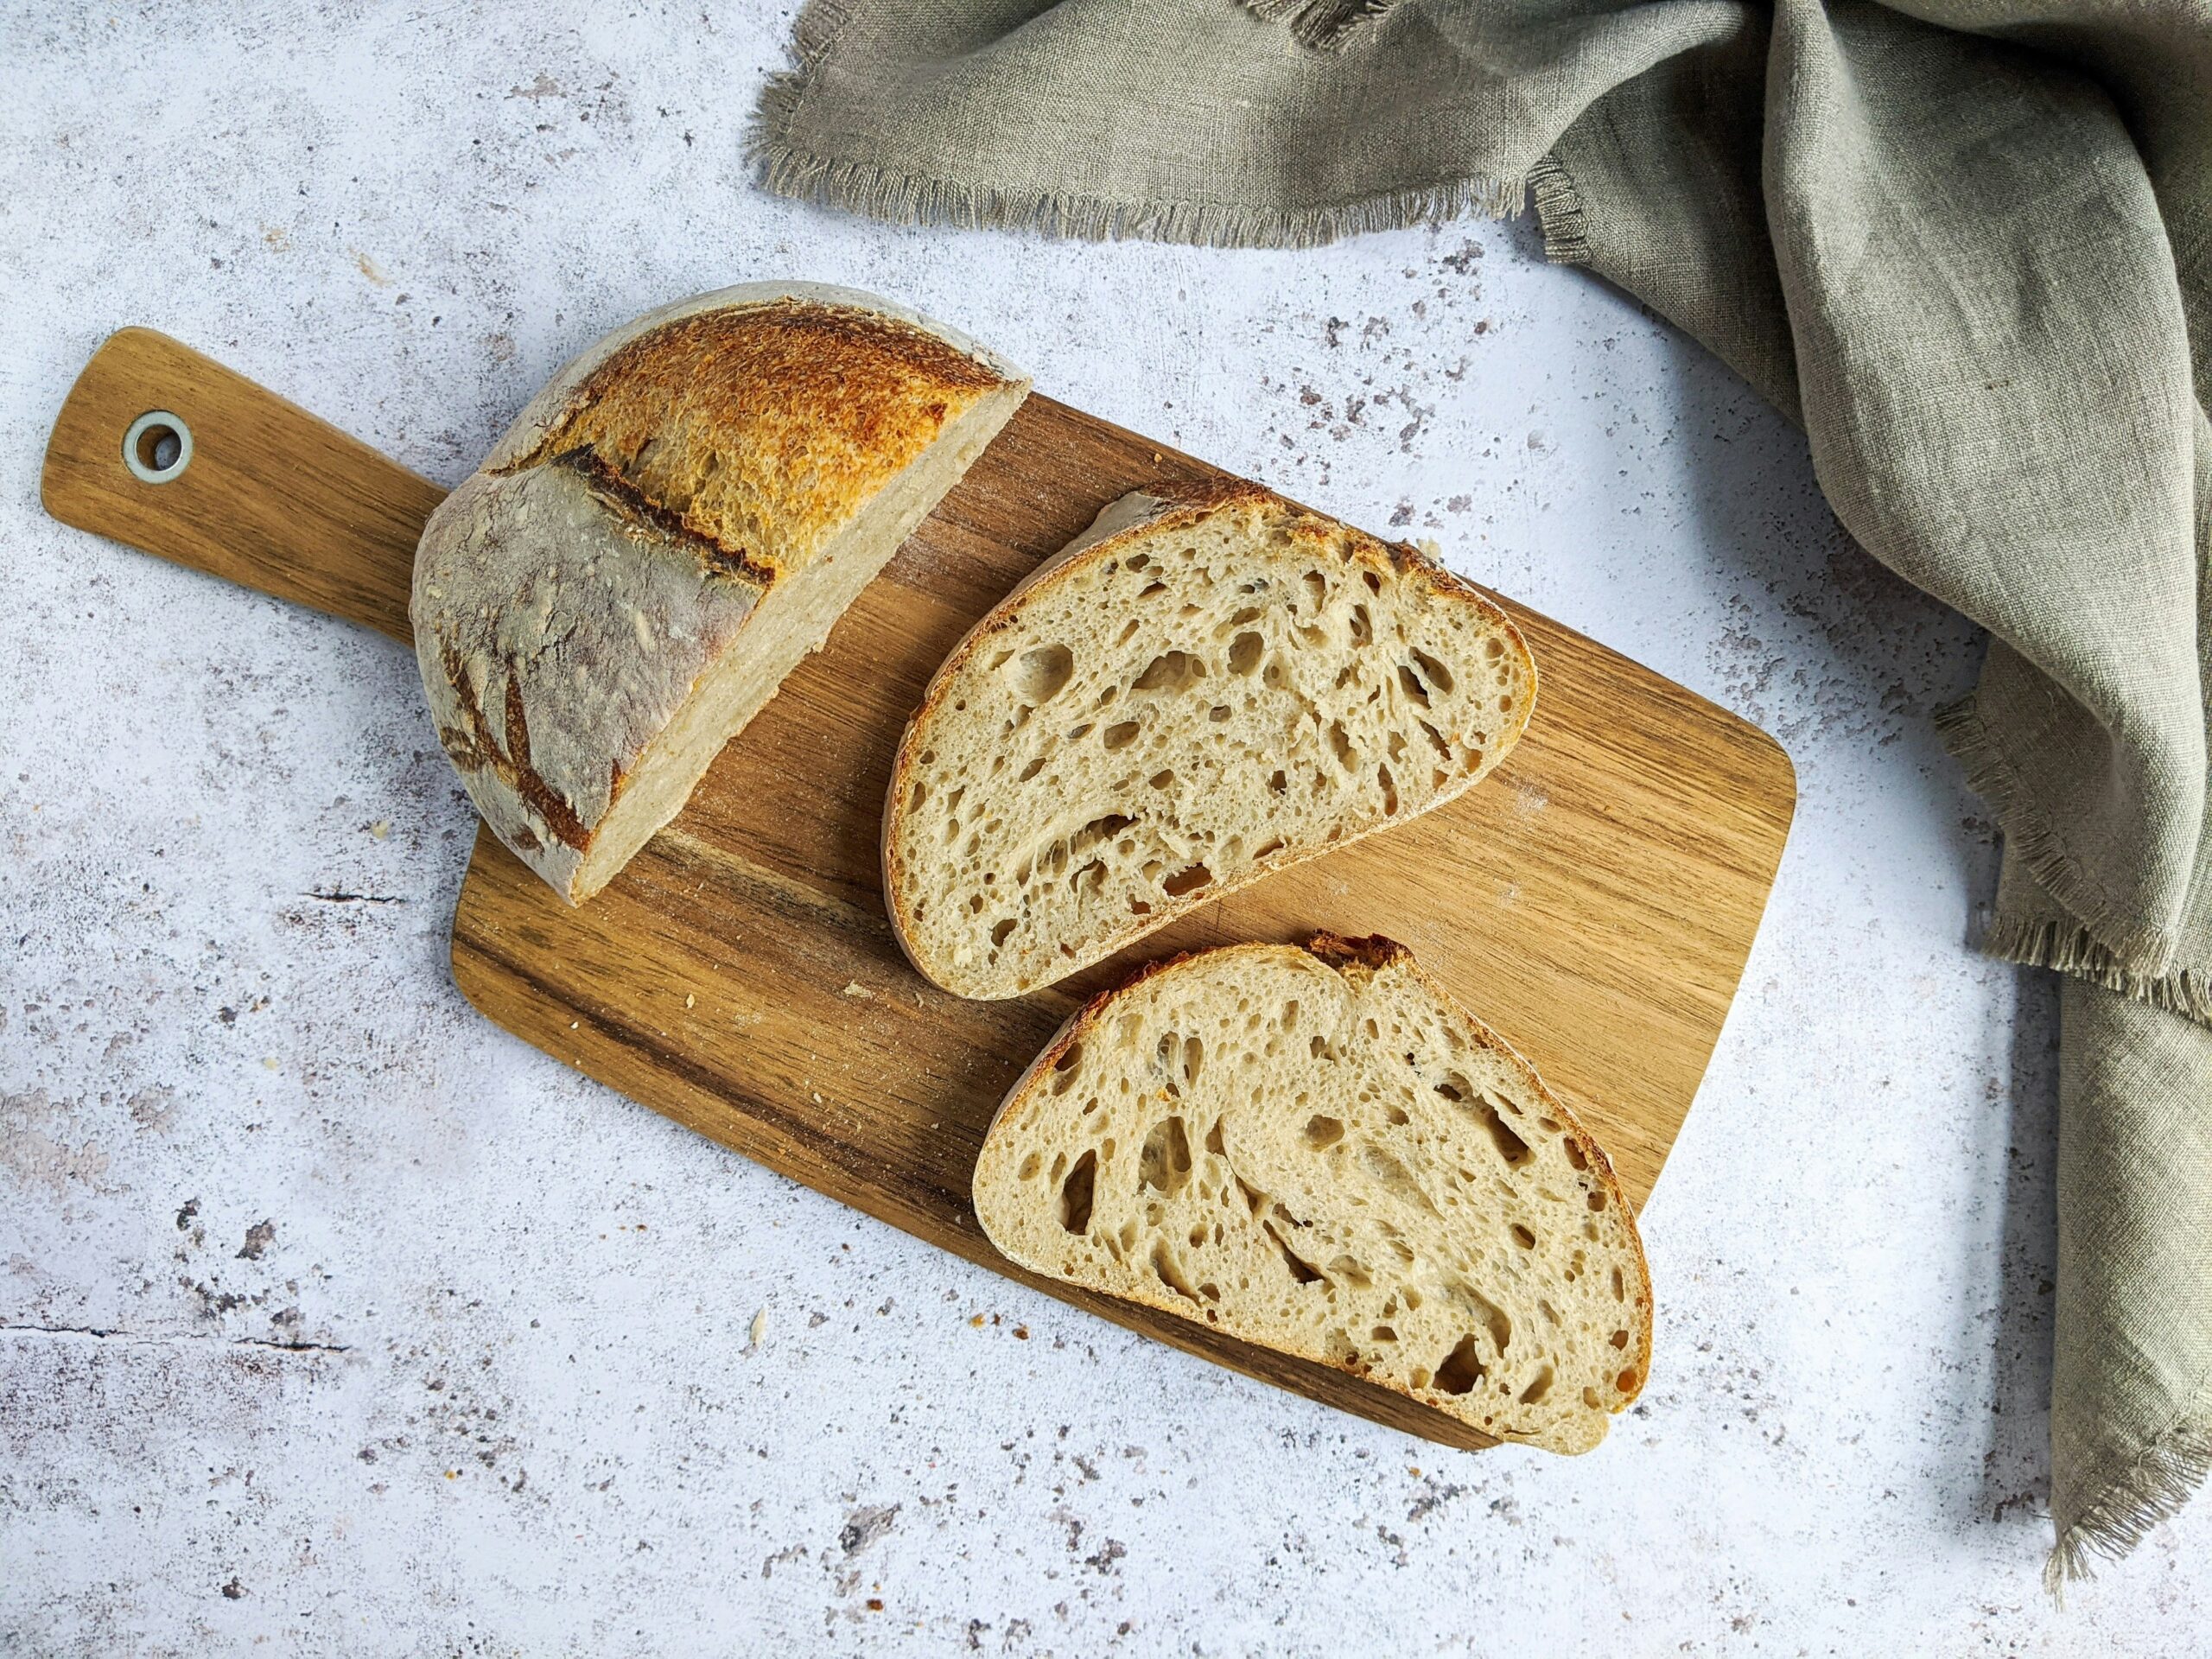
(1182, 501)
(1374, 951)
(759, 430)
(631, 530)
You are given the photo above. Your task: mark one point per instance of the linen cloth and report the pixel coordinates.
(1965, 245)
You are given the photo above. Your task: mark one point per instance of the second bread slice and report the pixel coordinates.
(1209, 683)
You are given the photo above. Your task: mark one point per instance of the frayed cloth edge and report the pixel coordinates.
(910, 199)
(2132, 953)
(901, 198)
(2151, 1492)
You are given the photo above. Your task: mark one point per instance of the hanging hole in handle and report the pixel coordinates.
(157, 448)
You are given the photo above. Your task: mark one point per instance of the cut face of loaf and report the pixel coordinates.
(674, 521)
(1209, 685)
(1318, 1151)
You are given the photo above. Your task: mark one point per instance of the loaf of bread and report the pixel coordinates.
(672, 523)
(1318, 1150)
(1208, 684)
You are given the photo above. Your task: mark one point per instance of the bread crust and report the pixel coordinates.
(632, 527)
(1352, 958)
(1143, 512)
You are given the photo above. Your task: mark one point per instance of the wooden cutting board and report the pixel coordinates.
(1593, 899)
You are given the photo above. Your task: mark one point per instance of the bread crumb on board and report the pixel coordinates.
(381, 830)
(757, 1329)
(690, 1000)
(854, 987)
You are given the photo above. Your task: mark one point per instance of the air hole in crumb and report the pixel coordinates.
(1164, 1162)
(1322, 1132)
(1218, 713)
(1534, 1393)
(1002, 930)
(1340, 745)
(1030, 1166)
(1597, 1199)
(1462, 1368)
(1626, 1381)
(1374, 583)
(1173, 670)
(1575, 1155)
(1390, 790)
(1397, 1116)
(1161, 780)
(1510, 1146)
(1030, 771)
(1277, 782)
(1410, 683)
(1213, 1141)
(1076, 1193)
(1524, 1237)
(1620, 1338)
(1362, 626)
(1188, 880)
(1040, 673)
(1170, 1272)
(1383, 1333)
(1301, 1271)
(1119, 735)
(1433, 672)
(1244, 653)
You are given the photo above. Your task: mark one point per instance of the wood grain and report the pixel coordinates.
(1593, 899)
(274, 498)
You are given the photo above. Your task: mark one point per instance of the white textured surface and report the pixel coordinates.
(533, 1415)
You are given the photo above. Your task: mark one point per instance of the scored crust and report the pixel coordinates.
(1322, 1310)
(1160, 513)
(673, 522)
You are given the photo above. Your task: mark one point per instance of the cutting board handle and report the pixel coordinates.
(171, 452)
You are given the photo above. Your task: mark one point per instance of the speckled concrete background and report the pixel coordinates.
(337, 1321)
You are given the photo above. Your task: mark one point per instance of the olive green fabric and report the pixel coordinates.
(1965, 244)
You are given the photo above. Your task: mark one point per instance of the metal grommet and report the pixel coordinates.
(157, 448)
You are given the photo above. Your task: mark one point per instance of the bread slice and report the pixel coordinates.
(1208, 684)
(672, 523)
(1320, 1151)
